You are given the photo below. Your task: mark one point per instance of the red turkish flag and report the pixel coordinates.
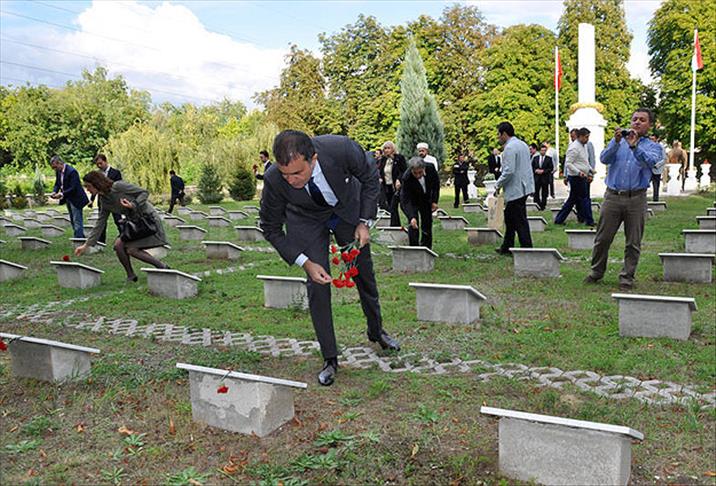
(557, 72)
(696, 61)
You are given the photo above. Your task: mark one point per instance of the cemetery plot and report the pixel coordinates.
(33, 243)
(687, 267)
(447, 303)
(284, 292)
(700, 241)
(536, 262)
(409, 259)
(10, 270)
(581, 239)
(51, 231)
(171, 284)
(219, 221)
(483, 236)
(14, 230)
(392, 235)
(453, 223)
(249, 233)
(73, 275)
(655, 315)
(188, 232)
(223, 250)
(537, 224)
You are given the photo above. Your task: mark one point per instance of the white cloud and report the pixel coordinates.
(165, 48)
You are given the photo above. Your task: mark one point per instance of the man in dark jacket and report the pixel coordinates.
(542, 168)
(494, 163)
(419, 198)
(114, 174)
(391, 168)
(460, 179)
(68, 189)
(265, 161)
(177, 184)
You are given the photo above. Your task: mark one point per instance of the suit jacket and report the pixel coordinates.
(72, 190)
(113, 174)
(547, 166)
(412, 196)
(516, 178)
(399, 167)
(266, 167)
(353, 180)
(177, 184)
(493, 165)
(459, 172)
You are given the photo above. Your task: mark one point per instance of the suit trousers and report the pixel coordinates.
(578, 188)
(392, 198)
(516, 222)
(655, 184)
(460, 188)
(630, 209)
(541, 192)
(424, 235)
(175, 197)
(319, 296)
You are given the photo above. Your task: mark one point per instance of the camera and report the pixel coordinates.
(625, 132)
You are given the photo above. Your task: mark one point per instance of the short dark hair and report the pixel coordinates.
(264, 153)
(583, 131)
(292, 144)
(506, 127)
(101, 157)
(543, 146)
(648, 112)
(100, 181)
(533, 145)
(171, 172)
(573, 130)
(56, 159)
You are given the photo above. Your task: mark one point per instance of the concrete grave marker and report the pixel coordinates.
(536, 262)
(173, 221)
(447, 303)
(198, 215)
(656, 205)
(92, 219)
(10, 270)
(45, 360)
(700, 241)
(706, 222)
(472, 207)
(170, 283)
(392, 235)
(687, 267)
(159, 251)
(382, 222)
(252, 404)
(249, 233)
(383, 213)
(581, 239)
(596, 208)
(189, 232)
(537, 224)
(453, 223)
(710, 211)
(410, 259)
(235, 215)
(483, 236)
(559, 451)
(73, 275)
(99, 246)
(33, 243)
(61, 221)
(4, 220)
(184, 211)
(51, 231)
(43, 217)
(532, 207)
(223, 250)
(217, 211)
(87, 228)
(284, 292)
(251, 209)
(655, 316)
(14, 230)
(219, 221)
(649, 213)
(17, 216)
(53, 212)
(440, 212)
(572, 214)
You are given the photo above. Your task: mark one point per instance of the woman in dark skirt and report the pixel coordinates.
(126, 199)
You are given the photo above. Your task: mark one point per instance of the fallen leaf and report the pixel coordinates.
(14, 428)
(43, 454)
(547, 329)
(230, 468)
(125, 431)
(711, 474)
(194, 482)
(80, 428)
(415, 450)
(297, 422)
(31, 472)
(172, 428)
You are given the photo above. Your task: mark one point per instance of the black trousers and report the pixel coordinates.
(103, 237)
(516, 222)
(424, 235)
(175, 197)
(655, 184)
(458, 189)
(392, 198)
(541, 192)
(319, 296)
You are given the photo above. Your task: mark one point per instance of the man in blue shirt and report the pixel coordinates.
(630, 160)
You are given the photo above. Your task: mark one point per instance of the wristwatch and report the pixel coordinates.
(367, 222)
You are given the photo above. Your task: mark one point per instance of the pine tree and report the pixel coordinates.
(243, 187)
(419, 118)
(210, 185)
(38, 188)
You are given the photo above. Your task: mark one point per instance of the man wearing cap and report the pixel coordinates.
(424, 152)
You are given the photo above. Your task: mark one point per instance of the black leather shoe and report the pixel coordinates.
(328, 374)
(500, 251)
(386, 342)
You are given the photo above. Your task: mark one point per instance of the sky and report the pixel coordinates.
(204, 51)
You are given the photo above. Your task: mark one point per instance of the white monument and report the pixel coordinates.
(587, 115)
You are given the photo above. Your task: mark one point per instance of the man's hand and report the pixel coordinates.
(316, 272)
(582, 174)
(56, 195)
(539, 171)
(397, 184)
(126, 203)
(362, 234)
(434, 207)
(618, 135)
(414, 223)
(632, 138)
(80, 250)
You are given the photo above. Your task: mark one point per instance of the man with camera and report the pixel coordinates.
(631, 156)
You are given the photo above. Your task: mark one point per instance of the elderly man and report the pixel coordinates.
(424, 152)
(578, 172)
(391, 168)
(517, 182)
(631, 160)
(68, 189)
(419, 198)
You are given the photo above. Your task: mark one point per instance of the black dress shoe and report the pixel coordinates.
(386, 342)
(500, 251)
(328, 374)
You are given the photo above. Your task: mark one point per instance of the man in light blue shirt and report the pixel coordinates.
(630, 158)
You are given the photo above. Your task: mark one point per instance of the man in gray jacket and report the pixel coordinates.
(517, 183)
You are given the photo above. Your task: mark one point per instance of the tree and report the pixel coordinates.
(670, 39)
(209, 188)
(419, 118)
(38, 188)
(243, 186)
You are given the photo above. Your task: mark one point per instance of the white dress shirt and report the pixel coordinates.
(320, 180)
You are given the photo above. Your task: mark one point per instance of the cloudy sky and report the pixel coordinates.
(202, 51)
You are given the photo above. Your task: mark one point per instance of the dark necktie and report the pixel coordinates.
(316, 194)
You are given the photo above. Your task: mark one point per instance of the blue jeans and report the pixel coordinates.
(579, 197)
(76, 220)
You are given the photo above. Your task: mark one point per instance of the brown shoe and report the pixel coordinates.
(589, 279)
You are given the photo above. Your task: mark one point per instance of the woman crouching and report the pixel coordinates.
(141, 229)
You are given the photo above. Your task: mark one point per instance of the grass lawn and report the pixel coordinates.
(370, 427)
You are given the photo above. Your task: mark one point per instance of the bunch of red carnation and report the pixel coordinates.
(345, 259)
(3, 346)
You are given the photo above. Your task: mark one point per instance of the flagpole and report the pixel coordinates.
(556, 107)
(692, 165)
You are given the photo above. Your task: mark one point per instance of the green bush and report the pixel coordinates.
(209, 188)
(243, 186)
(38, 190)
(19, 202)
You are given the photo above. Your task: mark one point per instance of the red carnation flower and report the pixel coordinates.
(334, 249)
(336, 261)
(345, 257)
(65, 258)
(353, 272)
(3, 346)
(222, 389)
(355, 252)
(350, 284)
(338, 283)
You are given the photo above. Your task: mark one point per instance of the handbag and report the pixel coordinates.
(138, 229)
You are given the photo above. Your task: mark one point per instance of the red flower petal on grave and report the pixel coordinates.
(222, 389)
(65, 258)
(3, 346)
(334, 249)
(336, 261)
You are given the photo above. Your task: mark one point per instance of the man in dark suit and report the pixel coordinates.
(419, 198)
(316, 187)
(265, 161)
(542, 167)
(177, 185)
(391, 168)
(114, 174)
(68, 189)
(460, 179)
(494, 163)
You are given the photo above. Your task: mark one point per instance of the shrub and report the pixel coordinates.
(38, 190)
(19, 202)
(243, 186)
(209, 189)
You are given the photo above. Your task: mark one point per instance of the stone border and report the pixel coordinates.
(75, 265)
(242, 376)
(48, 342)
(170, 271)
(658, 298)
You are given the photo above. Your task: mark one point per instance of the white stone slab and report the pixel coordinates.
(10, 270)
(453, 223)
(382, 222)
(656, 205)
(217, 211)
(537, 224)
(189, 232)
(219, 221)
(235, 215)
(472, 207)
(249, 233)
(14, 230)
(447, 303)
(171, 283)
(61, 221)
(51, 231)
(581, 239)
(224, 250)
(710, 211)
(184, 210)
(98, 246)
(284, 292)
(32, 223)
(532, 207)
(159, 252)
(688, 267)
(483, 236)
(411, 259)
(536, 262)
(33, 243)
(392, 235)
(706, 222)
(700, 241)
(73, 275)
(655, 316)
(198, 215)
(173, 221)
